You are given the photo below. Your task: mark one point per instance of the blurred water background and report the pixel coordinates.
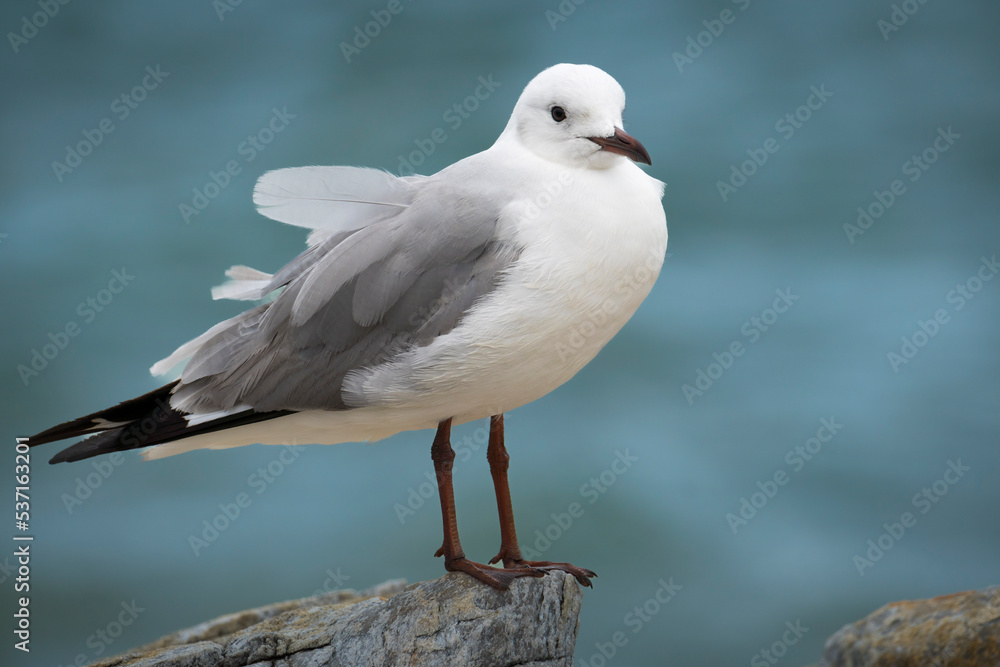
(881, 91)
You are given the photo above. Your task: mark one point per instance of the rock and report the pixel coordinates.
(957, 630)
(453, 620)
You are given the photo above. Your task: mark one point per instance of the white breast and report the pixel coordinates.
(582, 274)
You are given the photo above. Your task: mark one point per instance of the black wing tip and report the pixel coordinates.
(69, 456)
(120, 414)
(60, 432)
(61, 457)
(145, 421)
(169, 427)
(100, 443)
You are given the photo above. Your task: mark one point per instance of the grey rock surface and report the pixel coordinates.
(453, 620)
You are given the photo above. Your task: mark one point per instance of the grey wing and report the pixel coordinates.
(356, 300)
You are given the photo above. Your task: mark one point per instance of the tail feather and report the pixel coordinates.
(141, 422)
(102, 443)
(119, 415)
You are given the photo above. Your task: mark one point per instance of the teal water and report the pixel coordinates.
(749, 505)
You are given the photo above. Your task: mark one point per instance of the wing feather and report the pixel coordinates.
(331, 199)
(358, 299)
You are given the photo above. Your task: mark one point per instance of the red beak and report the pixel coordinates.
(623, 144)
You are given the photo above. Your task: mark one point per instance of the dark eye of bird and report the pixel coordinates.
(558, 114)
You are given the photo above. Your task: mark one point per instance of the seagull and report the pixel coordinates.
(422, 302)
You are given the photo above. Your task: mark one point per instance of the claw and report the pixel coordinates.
(582, 575)
(500, 579)
(501, 556)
